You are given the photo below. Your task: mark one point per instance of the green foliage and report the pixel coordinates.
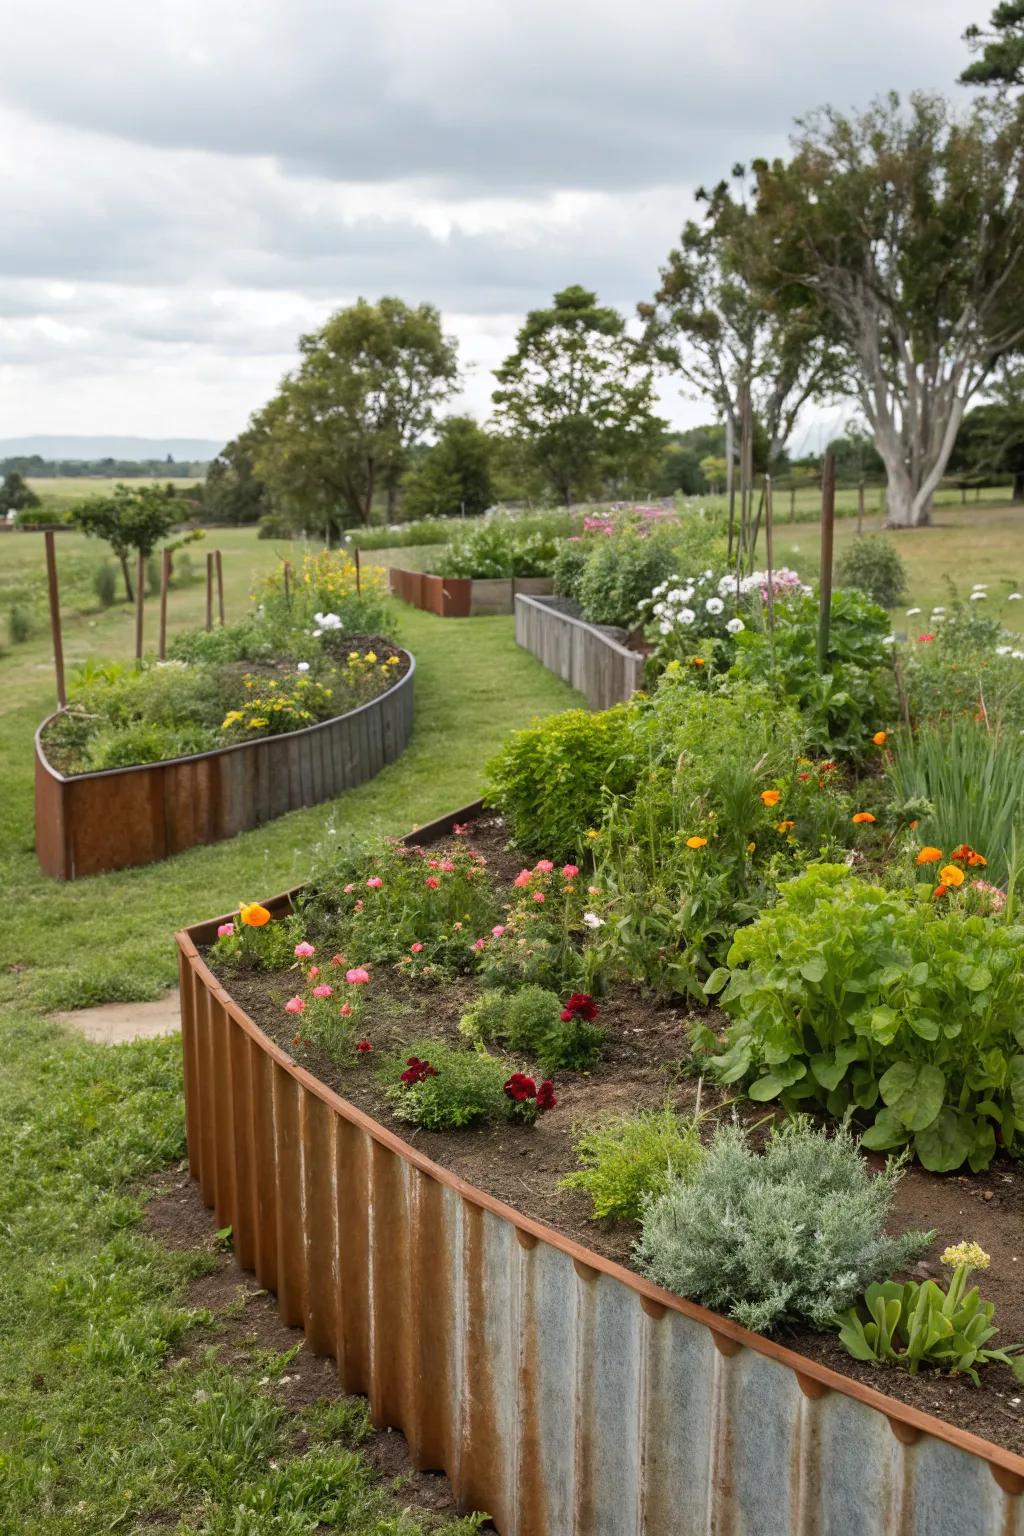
(454, 476)
(133, 519)
(999, 49)
(857, 998)
(874, 566)
(529, 1023)
(550, 781)
(466, 1087)
(19, 624)
(622, 570)
(913, 1325)
(105, 584)
(967, 668)
(495, 548)
(233, 492)
(16, 495)
(568, 566)
(796, 1232)
(270, 948)
(631, 1160)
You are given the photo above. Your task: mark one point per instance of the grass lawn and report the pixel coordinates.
(124, 1404)
(62, 491)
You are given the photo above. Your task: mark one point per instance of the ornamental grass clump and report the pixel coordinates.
(630, 1160)
(794, 1233)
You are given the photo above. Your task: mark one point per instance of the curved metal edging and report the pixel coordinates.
(83, 828)
(563, 1393)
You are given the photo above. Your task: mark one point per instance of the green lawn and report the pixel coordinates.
(98, 1431)
(62, 491)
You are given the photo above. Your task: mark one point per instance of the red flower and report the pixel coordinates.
(363, 1045)
(546, 1095)
(923, 639)
(416, 1071)
(804, 776)
(520, 1087)
(580, 1006)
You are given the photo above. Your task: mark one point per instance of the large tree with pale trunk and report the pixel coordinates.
(902, 231)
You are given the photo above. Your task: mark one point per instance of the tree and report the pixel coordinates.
(713, 323)
(342, 424)
(578, 395)
(902, 231)
(1001, 48)
(454, 475)
(991, 442)
(233, 492)
(15, 494)
(130, 519)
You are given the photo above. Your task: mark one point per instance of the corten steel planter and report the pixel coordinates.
(89, 823)
(561, 1393)
(459, 597)
(582, 654)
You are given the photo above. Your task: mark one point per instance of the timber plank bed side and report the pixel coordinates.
(581, 654)
(560, 1392)
(89, 823)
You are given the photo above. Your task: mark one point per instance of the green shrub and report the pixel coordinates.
(797, 1232)
(568, 567)
(622, 571)
(529, 1022)
(144, 741)
(269, 948)
(104, 583)
(183, 571)
(912, 1325)
(153, 575)
(19, 624)
(908, 1010)
(273, 525)
(497, 548)
(630, 1161)
(447, 1089)
(874, 566)
(550, 780)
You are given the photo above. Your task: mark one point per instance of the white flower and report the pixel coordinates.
(889, 640)
(592, 920)
(1002, 650)
(1017, 655)
(676, 595)
(708, 575)
(316, 633)
(664, 627)
(938, 610)
(979, 586)
(1015, 597)
(302, 666)
(660, 588)
(660, 608)
(714, 605)
(685, 594)
(912, 611)
(685, 616)
(735, 625)
(976, 595)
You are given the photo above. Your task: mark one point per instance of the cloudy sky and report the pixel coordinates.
(189, 184)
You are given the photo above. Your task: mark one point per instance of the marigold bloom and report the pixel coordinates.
(345, 1010)
(940, 890)
(861, 817)
(323, 990)
(928, 855)
(965, 1253)
(771, 796)
(951, 875)
(523, 878)
(696, 661)
(580, 1006)
(879, 738)
(546, 1095)
(785, 826)
(696, 842)
(375, 883)
(538, 896)
(252, 915)
(415, 948)
(751, 847)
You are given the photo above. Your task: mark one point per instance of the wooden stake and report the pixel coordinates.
(828, 516)
(58, 643)
(359, 584)
(769, 551)
(165, 581)
(730, 480)
(288, 582)
(220, 585)
(860, 508)
(209, 589)
(792, 503)
(140, 599)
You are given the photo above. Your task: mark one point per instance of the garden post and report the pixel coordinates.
(359, 585)
(860, 508)
(140, 598)
(828, 514)
(220, 584)
(58, 643)
(209, 590)
(288, 582)
(165, 581)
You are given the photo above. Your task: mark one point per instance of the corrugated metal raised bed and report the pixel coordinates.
(459, 597)
(88, 823)
(560, 1392)
(585, 655)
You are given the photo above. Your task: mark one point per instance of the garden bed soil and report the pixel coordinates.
(646, 1063)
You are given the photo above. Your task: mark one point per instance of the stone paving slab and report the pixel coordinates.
(116, 1023)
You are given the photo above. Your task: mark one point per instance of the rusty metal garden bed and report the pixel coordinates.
(560, 1392)
(89, 823)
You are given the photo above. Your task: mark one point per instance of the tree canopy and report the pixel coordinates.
(454, 475)
(132, 519)
(15, 494)
(999, 48)
(233, 492)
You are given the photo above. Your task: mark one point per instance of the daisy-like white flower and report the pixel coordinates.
(976, 595)
(1002, 650)
(1015, 597)
(938, 610)
(889, 640)
(1017, 655)
(714, 605)
(735, 625)
(912, 611)
(592, 920)
(664, 628)
(302, 666)
(685, 616)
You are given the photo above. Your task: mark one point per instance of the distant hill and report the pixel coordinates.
(192, 449)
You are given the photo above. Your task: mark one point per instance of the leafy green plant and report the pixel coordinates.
(432, 1085)
(920, 1324)
(622, 570)
(105, 583)
(550, 781)
(568, 566)
(873, 565)
(797, 1232)
(630, 1160)
(532, 1022)
(19, 624)
(498, 547)
(263, 945)
(889, 1003)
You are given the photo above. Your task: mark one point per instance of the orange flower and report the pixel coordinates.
(949, 874)
(696, 661)
(928, 856)
(771, 796)
(940, 890)
(861, 817)
(975, 859)
(912, 824)
(879, 738)
(696, 842)
(252, 914)
(785, 826)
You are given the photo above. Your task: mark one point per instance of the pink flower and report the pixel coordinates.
(295, 1005)
(313, 972)
(570, 871)
(415, 948)
(433, 863)
(432, 882)
(224, 930)
(544, 867)
(357, 976)
(498, 930)
(479, 943)
(323, 990)
(359, 906)
(304, 950)
(345, 1010)
(349, 889)
(523, 878)
(337, 959)
(376, 883)
(364, 1046)
(538, 896)
(447, 866)
(460, 828)
(924, 639)
(457, 927)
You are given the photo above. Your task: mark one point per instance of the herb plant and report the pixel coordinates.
(629, 1161)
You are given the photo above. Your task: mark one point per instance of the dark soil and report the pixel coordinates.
(246, 1325)
(646, 1062)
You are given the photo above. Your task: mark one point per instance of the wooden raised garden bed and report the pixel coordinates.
(89, 823)
(560, 1392)
(588, 657)
(459, 597)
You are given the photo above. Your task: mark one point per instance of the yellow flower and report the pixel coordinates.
(231, 718)
(696, 842)
(592, 832)
(950, 874)
(353, 655)
(371, 656)
(257, 722)
(252, 915)
(966, 1253)
(392, 661)
(771, 796)
(751, 847)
